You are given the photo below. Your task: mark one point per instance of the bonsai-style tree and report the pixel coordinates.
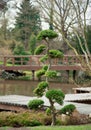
(43, 89)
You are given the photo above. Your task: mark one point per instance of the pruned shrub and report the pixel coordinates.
(47, 34)
(35, 104)
(68, 109)
(39, 91)
(55, 95)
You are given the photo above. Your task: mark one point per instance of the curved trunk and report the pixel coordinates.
(53, 112)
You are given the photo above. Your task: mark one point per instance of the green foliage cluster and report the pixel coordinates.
(45, 67)
(39, 73)
(19, 50)
(68, 109)
(44, 58)
(55, 96)
(33, 118)
(55, 54)
(23, 119)
(50, 34)
(35, 104)
(48, 111)
(51, 74)
(32, 44)
(39, 49)
(39, 91)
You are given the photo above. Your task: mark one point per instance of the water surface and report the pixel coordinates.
(17, 87)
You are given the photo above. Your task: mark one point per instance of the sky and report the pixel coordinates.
(12, 13)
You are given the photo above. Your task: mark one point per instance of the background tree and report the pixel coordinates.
(76, 43)
(4, 22)
(60, 14)
(5, 32)
(27, 22)
(67, 16)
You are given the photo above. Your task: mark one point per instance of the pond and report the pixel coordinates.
(25, 88)
(18, 87)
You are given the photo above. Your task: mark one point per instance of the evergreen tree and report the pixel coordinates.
(27, 22)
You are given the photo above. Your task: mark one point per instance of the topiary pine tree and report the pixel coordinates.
(53, 95)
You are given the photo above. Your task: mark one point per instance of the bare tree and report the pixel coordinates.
(68, 18)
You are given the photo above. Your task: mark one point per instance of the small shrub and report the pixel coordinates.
(48, 111)
(68, 109)
(58, 122)
(19, 50)
(35, 104)
(55, 95)
(33, 122)
(47, 120)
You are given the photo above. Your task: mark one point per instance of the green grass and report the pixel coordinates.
(8, 64)
(80, 127)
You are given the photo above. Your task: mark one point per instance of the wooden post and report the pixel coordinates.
(33, 75)
(21, 60)
(74, 75)
(68, 75)
(5, 61)
(13, 61)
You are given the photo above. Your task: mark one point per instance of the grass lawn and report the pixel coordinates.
(80, 127)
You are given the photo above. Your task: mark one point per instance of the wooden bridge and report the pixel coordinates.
(11, 62)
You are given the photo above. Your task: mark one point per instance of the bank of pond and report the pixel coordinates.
(40, 118)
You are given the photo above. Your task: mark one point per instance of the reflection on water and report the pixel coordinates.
(14, 87)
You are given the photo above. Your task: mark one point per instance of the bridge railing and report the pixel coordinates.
(32, 60)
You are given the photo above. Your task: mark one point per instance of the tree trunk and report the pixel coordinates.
(53, 118)
(53, 113)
